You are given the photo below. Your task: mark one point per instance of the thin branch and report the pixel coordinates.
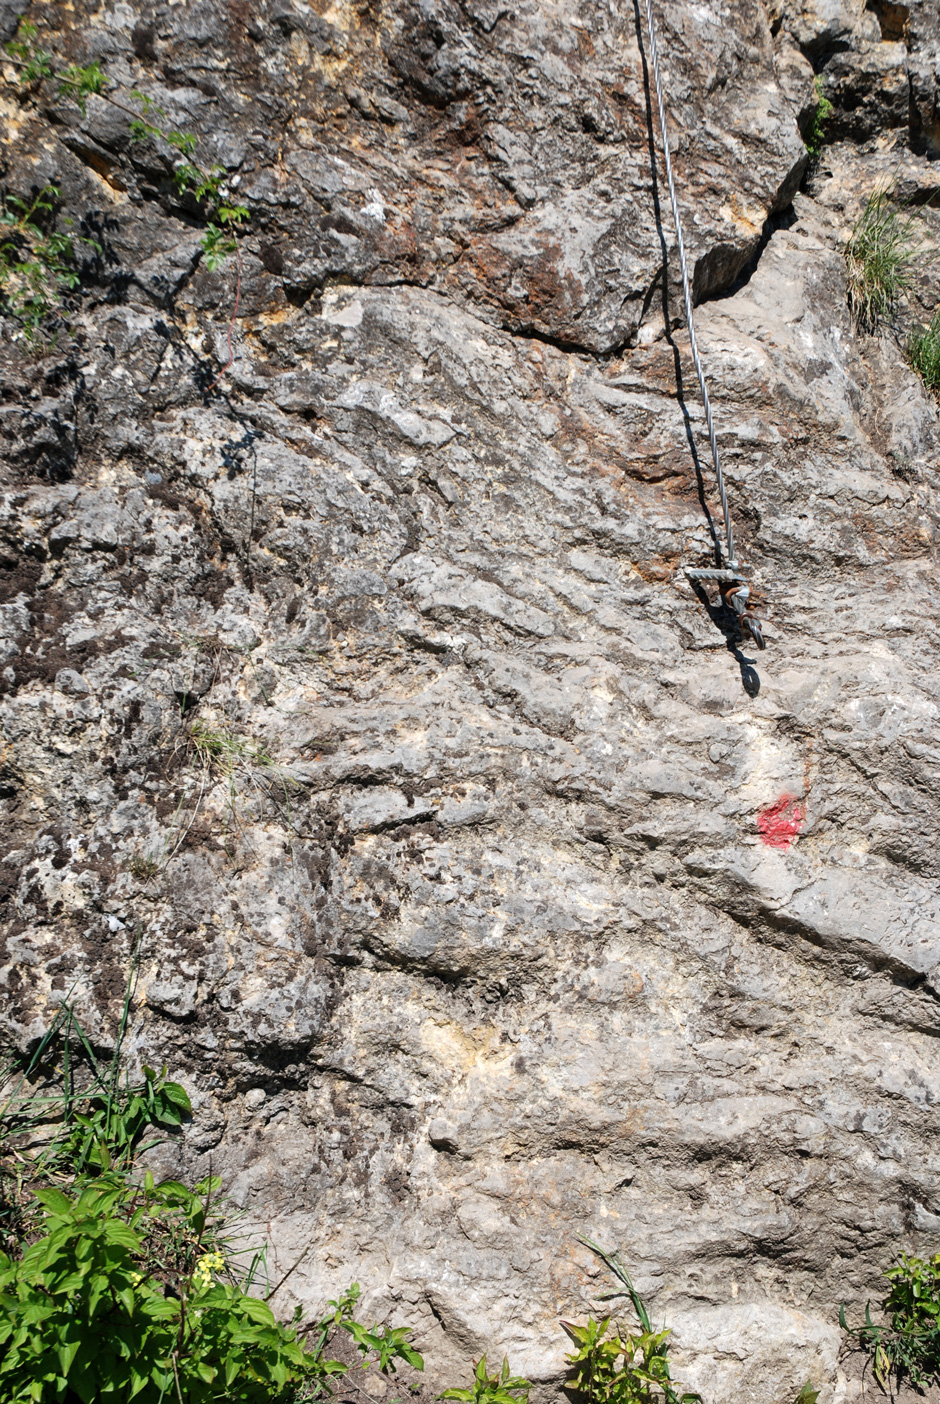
(231, 324)
(105, 97)
(294, 1266)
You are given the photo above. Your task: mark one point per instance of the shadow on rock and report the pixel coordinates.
(725, 622)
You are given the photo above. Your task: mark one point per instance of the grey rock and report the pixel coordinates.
(67, 680)
(369, 683)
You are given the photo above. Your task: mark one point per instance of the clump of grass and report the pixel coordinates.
(815, 137)
(225, 749)
(878, 256)
(923, 352)
(144, 866)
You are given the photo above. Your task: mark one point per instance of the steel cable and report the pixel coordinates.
(687, 292)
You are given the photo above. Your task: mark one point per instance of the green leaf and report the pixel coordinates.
(178, 1095)
(54, 1200)
(257, 1310)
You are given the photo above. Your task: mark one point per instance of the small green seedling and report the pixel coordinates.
(500, 1388)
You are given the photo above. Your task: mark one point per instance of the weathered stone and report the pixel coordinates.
(461, 920)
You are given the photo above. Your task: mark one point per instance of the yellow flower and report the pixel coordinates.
(205, 1267)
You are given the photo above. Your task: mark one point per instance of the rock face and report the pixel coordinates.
(487, 893)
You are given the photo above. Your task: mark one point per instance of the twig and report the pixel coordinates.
(231, 324)
(296, 1264)
(176, 1377)
(105, 97)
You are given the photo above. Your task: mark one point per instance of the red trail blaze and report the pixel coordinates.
(780, 822)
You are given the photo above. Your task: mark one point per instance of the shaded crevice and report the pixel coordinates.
(784, 219)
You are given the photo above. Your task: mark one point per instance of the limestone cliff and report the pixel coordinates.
(367, 685)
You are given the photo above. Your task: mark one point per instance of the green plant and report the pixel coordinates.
(87, 1120)
(109, 1131)
(222, 747)
(120, 1296)
(909, 1343)
(878, 257)
(610, 1367)
(501, 1388)
(206, 185)
(116, 1287)
(807, 1394)
(37, 260)
(35, 66)
(387, 1343)
(923, 352)
(815, 137)
(144, 866)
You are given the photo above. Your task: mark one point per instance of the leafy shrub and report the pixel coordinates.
(127, 1292)
(501, 1388)
(37, 260)
(117, 1298)
(909, 1344)
(116, 1287)
(815, 137)
(923, 352)
(608, 1367)
(878, 256)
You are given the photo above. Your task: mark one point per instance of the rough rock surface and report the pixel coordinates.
(366, 685)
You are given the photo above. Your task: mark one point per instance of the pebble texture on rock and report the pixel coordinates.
(472, 933)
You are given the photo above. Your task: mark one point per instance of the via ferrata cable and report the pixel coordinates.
(687, 292)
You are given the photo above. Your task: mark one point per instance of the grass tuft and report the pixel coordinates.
(923, 352)
(878, 256)
(144, 866)
(225, 749)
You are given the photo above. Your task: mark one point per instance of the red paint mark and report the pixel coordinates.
(780, 823)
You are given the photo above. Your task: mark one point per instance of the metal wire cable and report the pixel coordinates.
(687, 292)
